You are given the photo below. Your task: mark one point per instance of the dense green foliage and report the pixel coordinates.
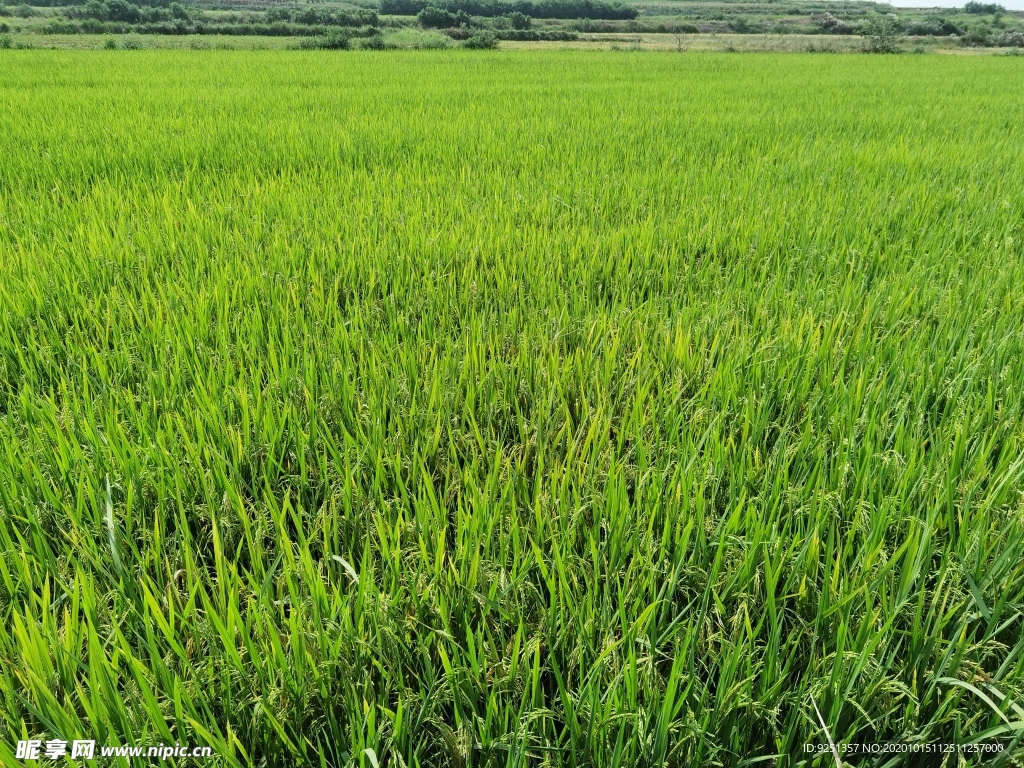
(336, 40)
(71, 3)
(540, 9)
(935, 25)
(984, 26)
(119, 16)
(431, 16)
(121, 10)
(324, 16)
(533, 34)
(483, 40)
(882, 33)
(519, 21)
(195, 26)
(983, 8)
(905, 24)
(569, 410)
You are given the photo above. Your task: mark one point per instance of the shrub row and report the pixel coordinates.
(934, 26)
(432, 17)
(877, 27)
(483, 40)
(988, 38)
(333, 40)
(324, 16)
(533, 34)
(73, 3)
(340, 40)
(608, 27)
(439, 18)
(832, 25)
(182, 27)
(465, 33)
(543, 9)
(22, 11)
(121, 10)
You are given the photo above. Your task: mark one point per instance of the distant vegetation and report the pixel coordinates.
(326, 16)
(545, 9)
(121, 10)
(432, 16)
(876, 28)
(984, 8)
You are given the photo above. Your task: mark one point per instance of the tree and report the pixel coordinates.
(984, 9)
(678, 30)
(519, 20)
(441, 17)
(882, 33)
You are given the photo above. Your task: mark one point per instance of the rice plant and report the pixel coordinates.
(512, 409)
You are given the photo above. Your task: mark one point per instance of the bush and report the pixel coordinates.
(278, 29)
(60, 28)
(882, 34)
(149, 4)
(333, 41)
(110, 44)
(519, 20)
(983, 9)
(6, 41)
(979, 37)
(25, 11)
(832, 25)
(120, 10)
(482, 40)
(324, 16)
(432, 17)
(1012, 40)
(936, 27)
(533, 35)
(375, 43)
(175, 28)
(543, 9)
(132, 43)
(94, 9)
(414, 37)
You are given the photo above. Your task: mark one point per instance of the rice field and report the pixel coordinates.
(509, 408)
